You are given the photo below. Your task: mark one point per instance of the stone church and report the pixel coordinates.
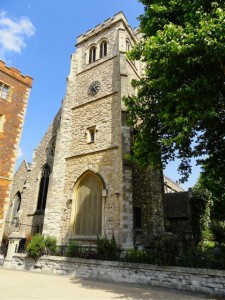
(80, 184)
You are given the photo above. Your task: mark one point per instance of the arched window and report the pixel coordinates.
(103, 49)
(92, 54)
(88, 207)
(43, 187)
(16, 206)
(128, 45)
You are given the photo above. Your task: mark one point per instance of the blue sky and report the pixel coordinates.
(37, 37)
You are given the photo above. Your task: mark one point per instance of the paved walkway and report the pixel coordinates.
(29, 285)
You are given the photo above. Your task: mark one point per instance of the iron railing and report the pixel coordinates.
(20, 249)
(3, 249)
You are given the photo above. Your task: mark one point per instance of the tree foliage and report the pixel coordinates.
(179, 111)
(213, 182)
(200, 200)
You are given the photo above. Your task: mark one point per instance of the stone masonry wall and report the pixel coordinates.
(19, 185)
(27, 180)
(148, 197)
(188, 279)
(101, 157)
(56, 200)
(30, 216)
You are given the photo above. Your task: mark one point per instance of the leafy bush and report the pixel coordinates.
(36, 247)
(50, 245)
(196, 257)
(166, 250)
(137, 256)
(107, 249)
(218, 230)
(39, 245)
(74, 249)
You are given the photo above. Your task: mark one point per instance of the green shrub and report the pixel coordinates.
(137, 256)
(74, 249)
(218, 230)
(39, 245)
(107, 249)
(166, 250)
(77, 250)
(50, 245)
(207, 258)
(36, 246)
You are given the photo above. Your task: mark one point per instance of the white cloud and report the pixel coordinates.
(20, 153)
(13, 34)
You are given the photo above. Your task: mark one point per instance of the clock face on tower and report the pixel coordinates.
(94, 88)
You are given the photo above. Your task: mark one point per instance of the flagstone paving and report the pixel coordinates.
(30, 285)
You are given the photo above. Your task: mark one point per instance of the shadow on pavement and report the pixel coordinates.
(134, 292)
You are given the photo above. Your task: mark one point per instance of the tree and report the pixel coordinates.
(179, 111)
(213, 182)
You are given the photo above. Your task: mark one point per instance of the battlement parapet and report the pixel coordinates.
(117, 17)
(15, 73)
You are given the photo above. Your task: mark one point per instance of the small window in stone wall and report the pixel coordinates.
(137, 217)
(2, 121)
(4, 91)
(91, 134)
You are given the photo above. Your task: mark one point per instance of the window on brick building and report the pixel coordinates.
(92, 54)
(4, 91)
(87, 218)
(43, 187)
(103, 49)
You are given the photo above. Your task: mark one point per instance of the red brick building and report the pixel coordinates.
(14, 94)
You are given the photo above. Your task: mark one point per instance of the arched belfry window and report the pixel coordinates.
(43, 187)
(92, 54)
(87, 219)
(16, 206)
(103, 49)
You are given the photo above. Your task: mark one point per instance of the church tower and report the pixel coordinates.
(91, 189)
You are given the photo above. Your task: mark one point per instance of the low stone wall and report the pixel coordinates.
(188, 279)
